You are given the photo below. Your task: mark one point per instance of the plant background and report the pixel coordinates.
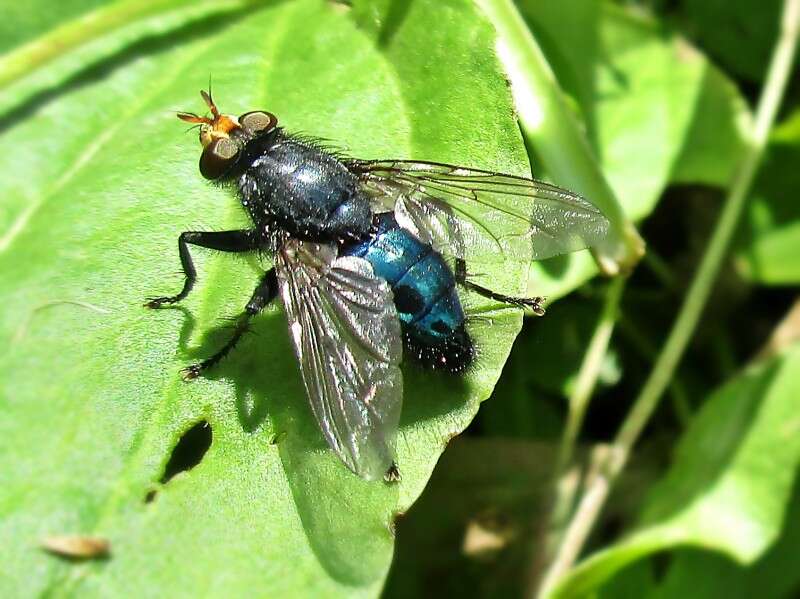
(224, 486)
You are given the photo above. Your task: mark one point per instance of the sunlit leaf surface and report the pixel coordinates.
(98, 181)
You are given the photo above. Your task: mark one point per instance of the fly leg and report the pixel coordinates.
(264, 293)
(534, 303)
(224, 241)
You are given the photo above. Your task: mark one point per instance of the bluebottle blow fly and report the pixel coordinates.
(368, 258)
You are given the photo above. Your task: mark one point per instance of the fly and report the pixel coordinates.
(368, 258)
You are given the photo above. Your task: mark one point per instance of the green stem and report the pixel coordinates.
(550, 127)
(563, 487)
(596, 494)
(681, 405)
(588, 374)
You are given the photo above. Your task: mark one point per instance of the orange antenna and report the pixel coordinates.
(214, 127)
(209, 102)
(190, 117)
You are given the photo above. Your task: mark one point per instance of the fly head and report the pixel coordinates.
(223, 136)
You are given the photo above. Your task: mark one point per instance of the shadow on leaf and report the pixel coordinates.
(268, 387)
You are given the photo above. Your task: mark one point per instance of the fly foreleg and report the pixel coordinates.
(224, 241)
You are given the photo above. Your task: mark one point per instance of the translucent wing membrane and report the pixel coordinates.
(480, 215)
(346, 335)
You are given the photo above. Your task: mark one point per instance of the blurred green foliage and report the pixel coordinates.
(98, 181)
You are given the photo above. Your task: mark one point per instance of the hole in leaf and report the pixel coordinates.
(189, 451)
(150, 496)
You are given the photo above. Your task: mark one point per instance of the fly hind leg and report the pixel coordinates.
(264, 293)
(533, 303)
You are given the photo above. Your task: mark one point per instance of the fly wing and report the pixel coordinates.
(346, 336)
(482, 216)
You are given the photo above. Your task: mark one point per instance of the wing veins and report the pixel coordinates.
(346, 317)
(480, 215)
(466, 214)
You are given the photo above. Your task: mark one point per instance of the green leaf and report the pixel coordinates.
(703, 574)
(635, 582)
(23, 21)
(714, 144)
(729, 484)
(691, 572)
(98, 180)
(770, 241)
(100, 31)
(738, 33)
(656, 110)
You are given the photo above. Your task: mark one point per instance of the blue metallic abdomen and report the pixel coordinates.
(424, 293)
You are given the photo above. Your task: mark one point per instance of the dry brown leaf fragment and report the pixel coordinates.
(76, 546)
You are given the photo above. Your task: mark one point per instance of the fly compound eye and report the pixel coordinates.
(258, 121)
(218, 157)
